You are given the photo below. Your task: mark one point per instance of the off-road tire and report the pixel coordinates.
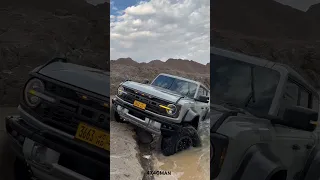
(115, 116)
(144, 136)
(21, 170)
(171, 144)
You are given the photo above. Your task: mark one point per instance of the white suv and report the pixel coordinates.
(169, 106)
(263, 120)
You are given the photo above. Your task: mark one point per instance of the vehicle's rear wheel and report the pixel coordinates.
(115, 115)
(184, 139)
(21, 170)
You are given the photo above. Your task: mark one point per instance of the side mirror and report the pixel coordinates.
(203, 99)
(299, 118)
(146, 81)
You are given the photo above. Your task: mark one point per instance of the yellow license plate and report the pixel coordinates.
(139, 104)
(93, 136)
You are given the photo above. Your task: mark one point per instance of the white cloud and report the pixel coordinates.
(113, 7)
(143, 9)
(162, 29)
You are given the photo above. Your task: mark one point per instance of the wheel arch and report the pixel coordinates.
(259, 161)
(311, 170)
(191, 117)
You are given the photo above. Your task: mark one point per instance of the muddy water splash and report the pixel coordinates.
(191, 164)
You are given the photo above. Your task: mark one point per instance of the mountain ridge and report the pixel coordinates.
(183, 65)
(265, 18)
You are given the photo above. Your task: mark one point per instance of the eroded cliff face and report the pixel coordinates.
(269, 30)
(33, 32)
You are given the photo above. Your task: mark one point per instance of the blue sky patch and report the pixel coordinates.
(119, 5)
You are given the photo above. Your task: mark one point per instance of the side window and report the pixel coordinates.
(304, 98)
(230, 80)
(192, 89)
(206, 93)
(294, 95)
(291, 94)
(265, 83)
(315, 103)
(290, 97)
(201, 91)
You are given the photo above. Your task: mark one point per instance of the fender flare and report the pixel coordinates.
(190, 116)
(311, 170)
(206, 115)
(260, 162)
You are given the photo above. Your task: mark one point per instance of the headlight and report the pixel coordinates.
(30, 91)
(172, 109)
(120, 90)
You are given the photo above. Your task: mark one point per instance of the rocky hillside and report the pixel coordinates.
(126, 68)
(175, 64)
(264, 18)
(269, 30)
(34, 31)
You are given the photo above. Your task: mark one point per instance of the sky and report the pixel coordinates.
(160, 29)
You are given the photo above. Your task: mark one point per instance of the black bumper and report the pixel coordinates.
(167, 128)
(74, 155)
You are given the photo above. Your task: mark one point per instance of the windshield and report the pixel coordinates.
(179, 86)
(245, 85)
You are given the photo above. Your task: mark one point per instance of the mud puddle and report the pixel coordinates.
(191, 164)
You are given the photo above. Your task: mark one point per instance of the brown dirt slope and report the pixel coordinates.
(269, 30)
(263, 18)
(32, 32)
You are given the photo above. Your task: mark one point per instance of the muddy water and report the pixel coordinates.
(191, 164)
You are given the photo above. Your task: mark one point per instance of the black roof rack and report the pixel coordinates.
(52, 61)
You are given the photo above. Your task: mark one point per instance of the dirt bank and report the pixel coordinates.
(130, 159)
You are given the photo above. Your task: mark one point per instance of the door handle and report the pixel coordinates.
(295, 147)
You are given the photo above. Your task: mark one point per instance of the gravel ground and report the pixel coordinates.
(124, 159)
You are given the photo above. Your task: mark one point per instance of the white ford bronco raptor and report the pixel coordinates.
(62, 131)
(263, 118)
(169, 106)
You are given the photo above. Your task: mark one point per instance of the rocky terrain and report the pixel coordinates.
(270, 30)
(32, 32)
(126, 68)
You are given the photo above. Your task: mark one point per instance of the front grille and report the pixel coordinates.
(153, 104)
(61, 91)
(74, 96)
(58, 117)
(155, 99)
(71, 109)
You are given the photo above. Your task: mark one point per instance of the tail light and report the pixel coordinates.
(219, 147)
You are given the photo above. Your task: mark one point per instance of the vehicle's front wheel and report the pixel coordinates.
(184, 139)
(21, 170)
(116, 116)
